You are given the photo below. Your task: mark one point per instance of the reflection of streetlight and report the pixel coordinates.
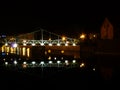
(74, 61)
(58, 62)
(50, 62)
(6, 63)
(15, 62)
(33, 63)
(66, 62)
(42, 63)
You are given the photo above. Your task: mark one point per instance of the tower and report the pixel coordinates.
(106, 30)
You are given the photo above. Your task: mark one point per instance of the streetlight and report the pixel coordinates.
(63, 38)
(82, 36)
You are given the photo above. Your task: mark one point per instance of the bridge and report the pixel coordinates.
(41, 37)
(42, 44)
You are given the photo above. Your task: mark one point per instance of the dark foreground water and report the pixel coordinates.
(62, 78)
(54, 79)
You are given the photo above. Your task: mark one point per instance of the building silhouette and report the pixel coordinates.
(107, 30)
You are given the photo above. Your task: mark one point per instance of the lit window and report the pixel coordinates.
(62, 51)
(49, 58)
(49, 51)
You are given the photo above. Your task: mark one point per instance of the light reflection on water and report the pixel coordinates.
(9, 60)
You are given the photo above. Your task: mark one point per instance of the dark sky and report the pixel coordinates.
(58, 18)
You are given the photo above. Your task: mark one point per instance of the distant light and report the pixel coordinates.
(66, 62)
(49, 51)
(63, 38)
(15, 62)
(93, 69)
(3, 36)
(50, 62)
(24, 65)
(6, 63)
(58, 62)
(62, 51)
(42, 62)
(33, 62)
(24, 41)
(62, 58)
(94, 35)
(50, 44)
(82, 36)
(33, 44)
(82, 65)
(74, 44)
(74, 61)
(19, 59)
(3, 53)
(24, 44)
(24, 62)
(11, 59)
(49, 58)
(42, 44)
(66, 44)
(49, 38)
(58, 44)
(14, 45)
(4, 59)
(6, 44)
(55, 58)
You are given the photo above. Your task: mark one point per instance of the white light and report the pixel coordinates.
(50, 44)
(24, 44)
(74, 61)
(15, 62)
(58, 62)
(33, 44)
(33, 62)
(74, 44)
(24, 62)
(6, 63)
(93, 69)
(50, 62)
(58, 44)
(15, 45)
(6, 44)
(55, 58)
(42, 44)
(66, 61)
(24, 40)
(66, 44)
(42, 62)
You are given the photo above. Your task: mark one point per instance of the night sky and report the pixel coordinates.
(58, 18)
